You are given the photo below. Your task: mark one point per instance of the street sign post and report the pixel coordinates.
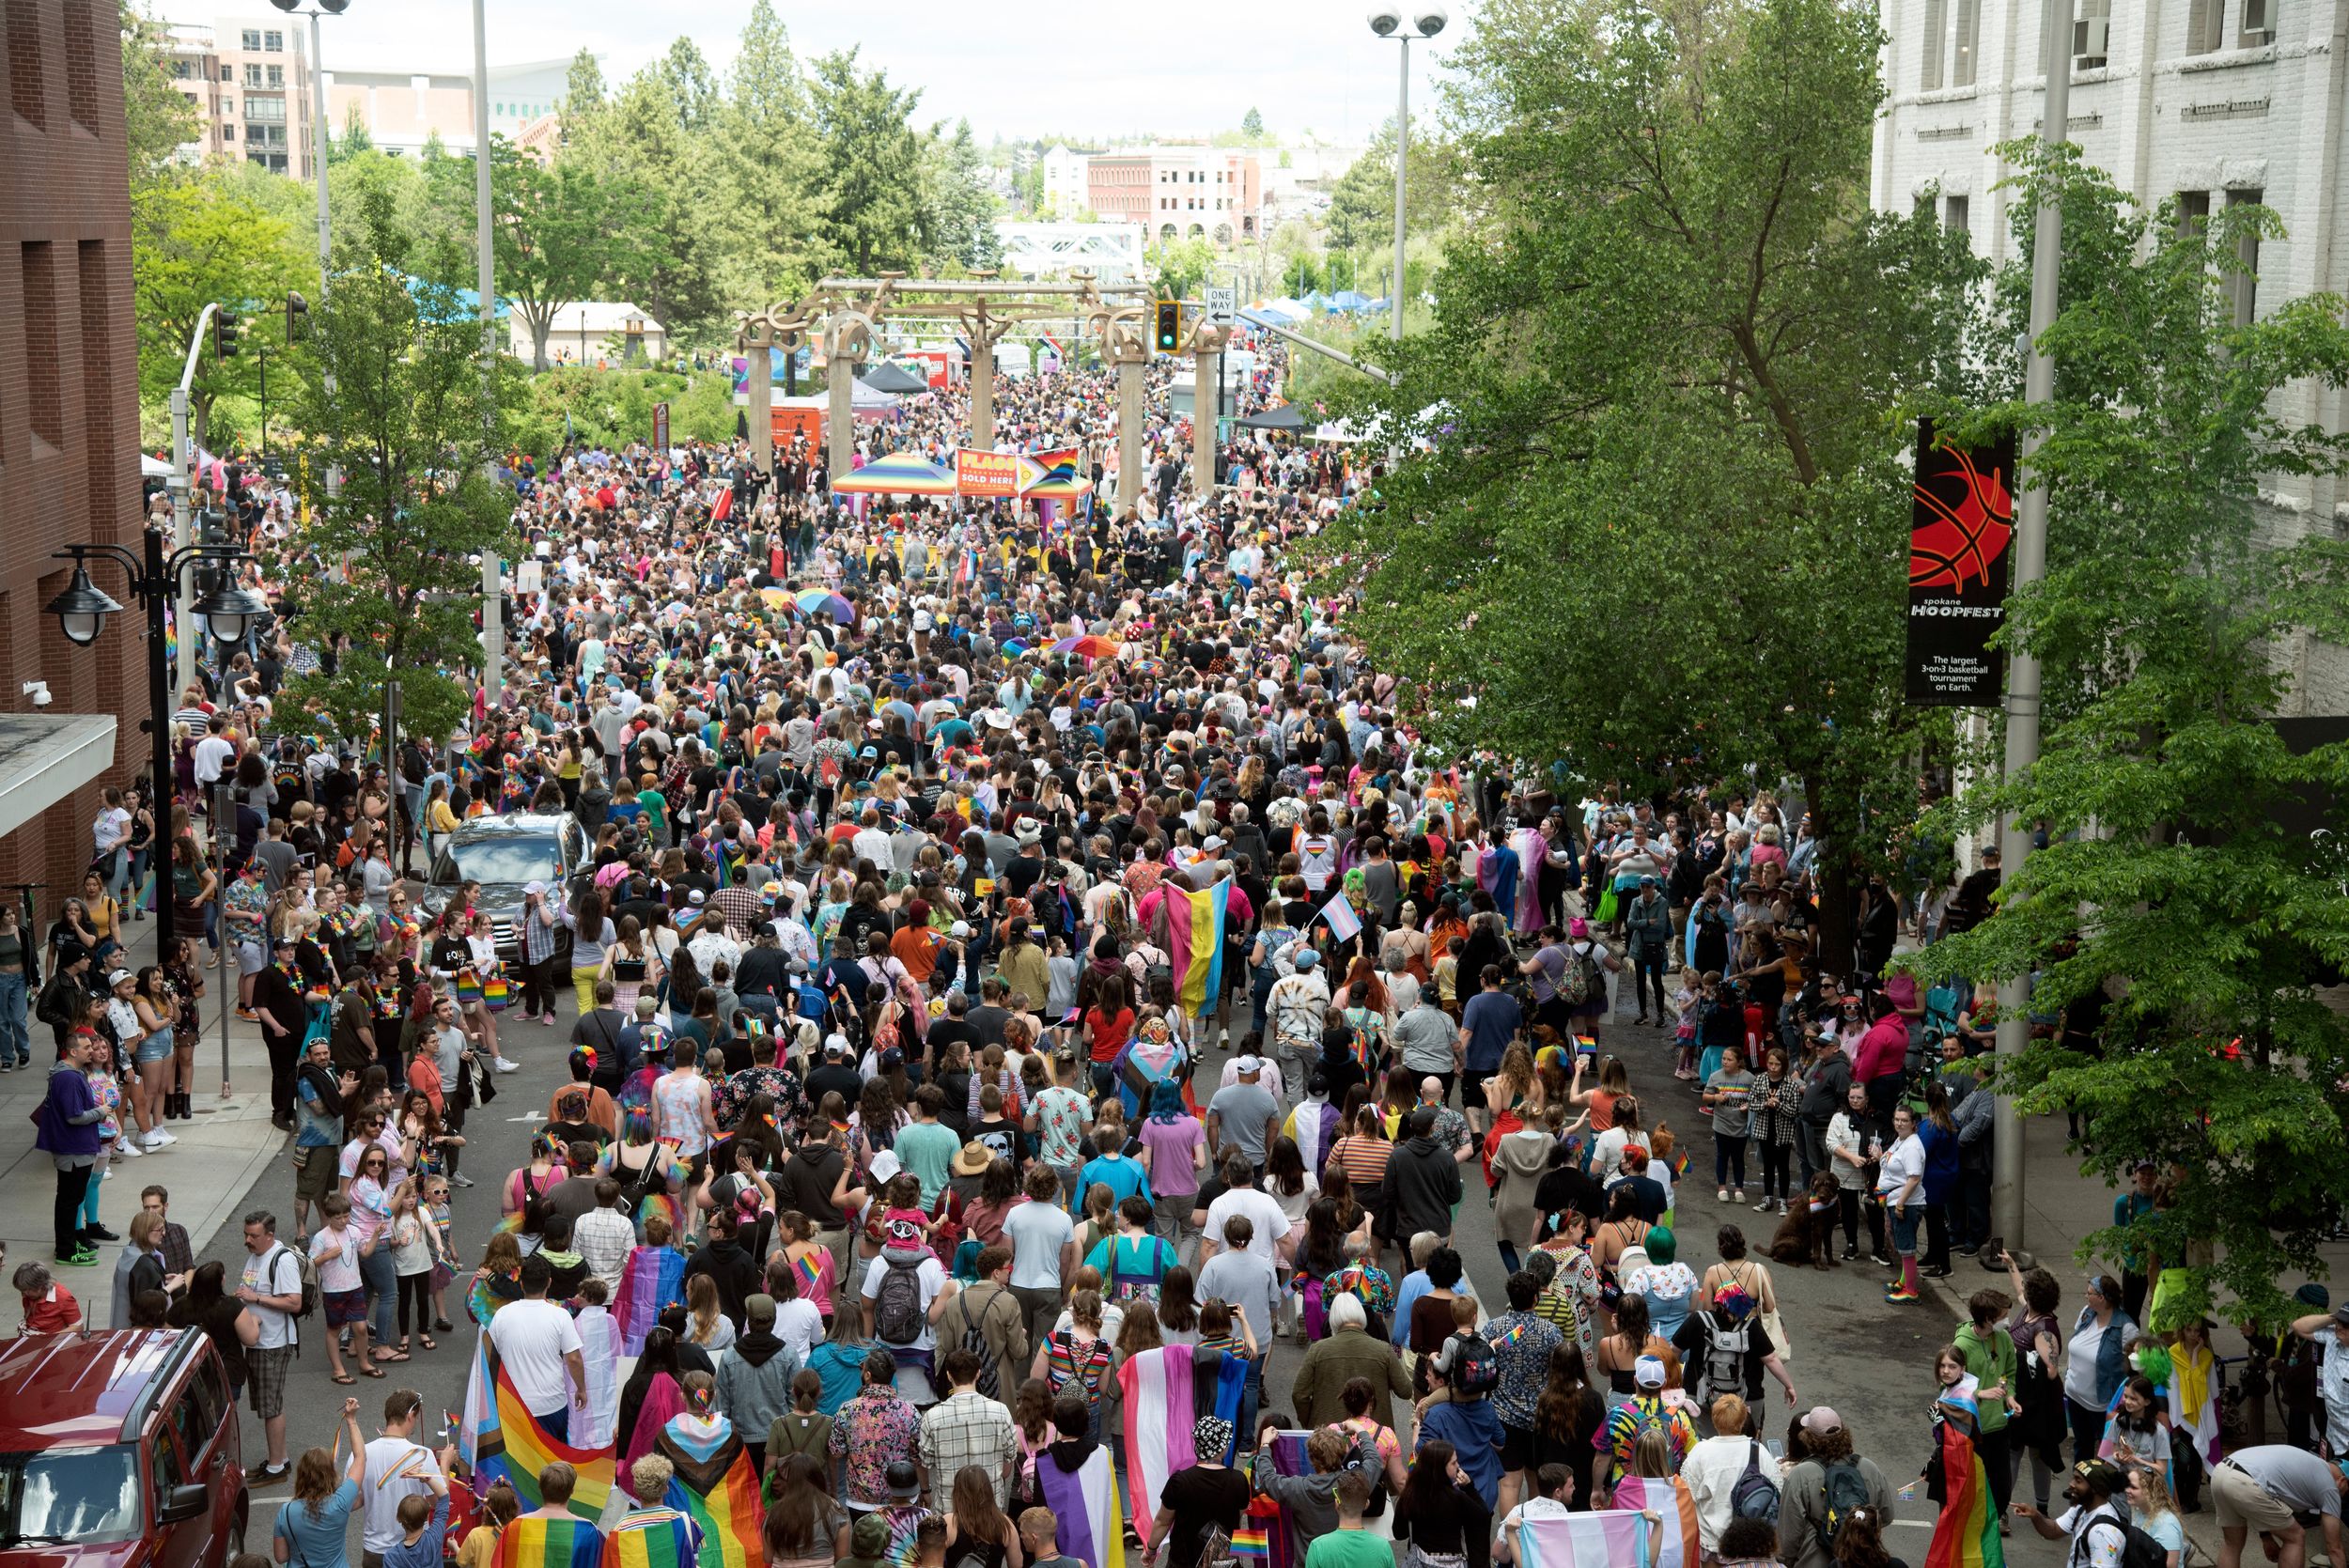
(1222, 304)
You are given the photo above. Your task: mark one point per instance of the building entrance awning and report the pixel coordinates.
(44, 758)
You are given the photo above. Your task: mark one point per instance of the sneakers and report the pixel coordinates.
(507, 1064)
(1900, 1297)
(157, 1138)
(1851, 1254)
(125, 1149)
(270, 1475)
(1762, 1207)
(460, 1179)
(1780, 1207)
(1738, 1197)
(86, 1258)
(96, 1233)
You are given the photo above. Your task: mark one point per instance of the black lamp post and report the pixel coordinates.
(227, 610)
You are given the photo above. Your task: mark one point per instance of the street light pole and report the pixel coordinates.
(317, 143)
(487, 271)
(1402, 155)
(2022, 671)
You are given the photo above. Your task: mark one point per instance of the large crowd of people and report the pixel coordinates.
(1010, 941)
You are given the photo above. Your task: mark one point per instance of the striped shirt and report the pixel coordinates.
(1364, 1160)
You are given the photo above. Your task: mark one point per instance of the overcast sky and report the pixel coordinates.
(1041, 68)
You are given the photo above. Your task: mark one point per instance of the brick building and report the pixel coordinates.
(69, 432)
(1178, 193)
(249, 80)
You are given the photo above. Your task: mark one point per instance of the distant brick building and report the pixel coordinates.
(69, 431)
(1178, 193)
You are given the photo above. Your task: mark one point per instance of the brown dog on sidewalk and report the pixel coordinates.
(1807, 1234)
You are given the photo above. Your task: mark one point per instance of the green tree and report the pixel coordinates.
(1655, 539)
(667, 254)
(693, 85)
(353, 141)
(767, 146)
(872, 164)
(1181, 267)
(158, 117)
(411, 426)
(961, 201)
(198, 242)
(554, 229)
(1362, 209)
(2171, 905)
(1252, 124)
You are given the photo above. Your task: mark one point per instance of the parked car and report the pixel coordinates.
(119, 1450)
(505, 854)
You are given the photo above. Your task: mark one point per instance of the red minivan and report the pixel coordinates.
(119, 1448)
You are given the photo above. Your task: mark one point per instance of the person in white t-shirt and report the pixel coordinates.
(1269, 1220)
(929, 1274)
(1552, 1498)
(539, 1347)
(398, 1467)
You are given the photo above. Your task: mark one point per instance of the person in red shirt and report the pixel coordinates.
(48, 1307)
(1881, 1058)
(1109, 1024)
(915, 945)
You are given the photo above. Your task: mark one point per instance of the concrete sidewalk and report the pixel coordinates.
(219, 1153)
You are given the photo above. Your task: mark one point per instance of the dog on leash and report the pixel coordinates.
(1807, 1234)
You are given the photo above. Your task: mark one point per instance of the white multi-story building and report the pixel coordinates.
(2212, 102)
(249, 79)
(1064, 179)
(404, 107)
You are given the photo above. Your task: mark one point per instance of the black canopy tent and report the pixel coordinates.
(1285, 417)
(897, 379)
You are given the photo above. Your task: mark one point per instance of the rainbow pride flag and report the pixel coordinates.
(659, 1537)
(1194, 933)
(533, 1543)
(1966, 1533)
(714, 1485)
(502, 1439)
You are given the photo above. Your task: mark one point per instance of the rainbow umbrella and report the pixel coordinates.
(776, 598)
(900, 474)
(819, 601)
(1088, 646)
(1014, 646)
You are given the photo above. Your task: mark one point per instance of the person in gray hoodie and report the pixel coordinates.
(1311, 1498)
(754, 1378)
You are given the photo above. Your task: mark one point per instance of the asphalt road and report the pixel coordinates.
(1871, 1361)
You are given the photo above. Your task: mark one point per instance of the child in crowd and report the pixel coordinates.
(335, 1251)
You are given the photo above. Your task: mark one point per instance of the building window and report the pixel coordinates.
(228, 73)
(274, 43)
(252, 39)
(252, 75)
(1953, 37)
(2205, 25)
(228, 132)
(1966, 46)
(2259, 23)
(2246, 256)
(1937, 18)
(2193, 212)
(1955, 215)
(182, 69)
(2092, 34)
(278, 76)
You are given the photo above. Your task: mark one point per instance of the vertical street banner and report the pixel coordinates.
(1961, 528)
(661, 426)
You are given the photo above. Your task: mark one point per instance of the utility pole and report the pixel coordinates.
(492, 629)
(2022, 669)
(487, 269)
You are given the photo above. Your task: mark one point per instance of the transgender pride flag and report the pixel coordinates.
(1601, 1540)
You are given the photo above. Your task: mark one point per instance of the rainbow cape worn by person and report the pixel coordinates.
(714, 1484)
(656, 1537)
(533, 1543)
(1604, 1539)
(1084, 1503)
(501, 1438)
(1675, 1539)
(1966, 1533)
(1195, 925)
(1166, 1391)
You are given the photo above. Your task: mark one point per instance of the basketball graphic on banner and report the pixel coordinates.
(1961, 527)
(1968, 527)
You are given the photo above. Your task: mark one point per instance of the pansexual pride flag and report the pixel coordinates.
(501, 1438)
(1194, 938)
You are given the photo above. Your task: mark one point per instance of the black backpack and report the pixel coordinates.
(1843, 1492)
(2137, 1549)
(974, 1340)
(1476, 1367)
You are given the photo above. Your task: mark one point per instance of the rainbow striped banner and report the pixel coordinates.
(534, 1543)
(1194, 933)
(502, 1439)
(659, 1537)
(1966, 1533)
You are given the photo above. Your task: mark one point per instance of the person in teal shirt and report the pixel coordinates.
(1124, 1177)
(926, 1146)
(313, 1524)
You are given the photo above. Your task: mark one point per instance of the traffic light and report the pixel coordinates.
(297, 318)
(225, 326)
(1170, 328)
(212, 528)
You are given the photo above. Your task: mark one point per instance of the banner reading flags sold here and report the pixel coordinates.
(986, 473)
(1960, 533)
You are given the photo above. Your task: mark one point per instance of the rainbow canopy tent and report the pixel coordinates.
(900, 474)
(1056, 481)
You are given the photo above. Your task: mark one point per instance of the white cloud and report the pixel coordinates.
(1047, 67)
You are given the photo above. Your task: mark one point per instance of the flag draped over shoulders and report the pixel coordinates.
(531, 1541)
(1675, 1541)
(501, 1438)
(714, 1483)
(1607, 1538)
(1166, 1391)
(658, 1537)
(1966, 1533)
(1084, 1505)
(1196, 929)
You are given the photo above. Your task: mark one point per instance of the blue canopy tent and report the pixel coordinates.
(1349, 301)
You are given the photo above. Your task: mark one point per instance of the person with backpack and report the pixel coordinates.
(1730, 1474)
(1727, 1349)
(277, 1289)
(905, 1291)
(1822, 1492)
(987, 1320)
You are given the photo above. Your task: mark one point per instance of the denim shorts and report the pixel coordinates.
(155, 1047)
(1904, 1224)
